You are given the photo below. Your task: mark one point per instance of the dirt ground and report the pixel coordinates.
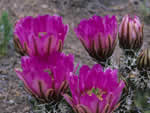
(13, 98)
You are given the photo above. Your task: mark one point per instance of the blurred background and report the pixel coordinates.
(13, 98)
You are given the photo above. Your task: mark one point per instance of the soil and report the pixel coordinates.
(13, 98)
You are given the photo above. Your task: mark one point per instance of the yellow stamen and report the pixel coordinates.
(99, 93)
(42, 34)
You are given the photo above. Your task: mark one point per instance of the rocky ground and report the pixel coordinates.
(13, 98)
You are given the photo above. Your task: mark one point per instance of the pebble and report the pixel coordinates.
(11, 102)
(44, 6)
(2, 97)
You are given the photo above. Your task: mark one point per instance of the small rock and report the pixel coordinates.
(11, 102)
(3, 71)
(15, 5)
(2, 97)
(44, 6)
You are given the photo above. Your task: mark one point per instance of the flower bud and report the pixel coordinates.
(143, 61)
(131, 33)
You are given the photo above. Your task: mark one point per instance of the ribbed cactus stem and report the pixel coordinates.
(51, 107)
(127, 67)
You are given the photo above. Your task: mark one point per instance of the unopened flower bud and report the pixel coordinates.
(131, 33)
(143, 61)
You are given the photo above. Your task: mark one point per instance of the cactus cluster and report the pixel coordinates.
(50, 77)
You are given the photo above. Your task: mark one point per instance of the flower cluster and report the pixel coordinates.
(45, 70)
(47, 73)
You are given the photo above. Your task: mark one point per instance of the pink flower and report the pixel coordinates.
(94, 90)
(46, 77)
(98, 36)
(40, 35)
(131, 33)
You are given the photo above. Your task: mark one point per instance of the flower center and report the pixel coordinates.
(42, 34)
(48, 70)
(98, 92)
(50, 73)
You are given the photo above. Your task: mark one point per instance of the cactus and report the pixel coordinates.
(5, 33)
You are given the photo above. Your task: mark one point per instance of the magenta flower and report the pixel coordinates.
(131, 33)
(94, 91)
(40, 35)
(46, 77)
(98, 36)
